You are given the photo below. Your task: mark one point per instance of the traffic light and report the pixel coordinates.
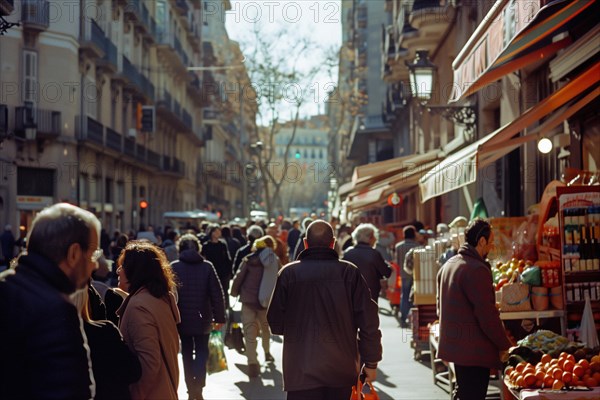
(144, 121)
(143, 206)
(297, 154)
(138, 117)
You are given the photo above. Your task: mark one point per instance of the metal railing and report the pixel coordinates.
(153, 159)
(95, 131)
(35, 13)
(129, 147)
(187, 119)
(97, 36)
(47, 122)
(140, 152)
(113, 139)
(110, 53)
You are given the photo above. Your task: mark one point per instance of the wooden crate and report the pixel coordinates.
(425, 276)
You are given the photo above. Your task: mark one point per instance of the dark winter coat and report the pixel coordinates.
(114, 365)
(7, 241)
(240, 255)
(200, 296)
(42, 353)
(322, 307)
(371, 264)
(218, 254)
(233, 246)
(292, 239)
(471, 332)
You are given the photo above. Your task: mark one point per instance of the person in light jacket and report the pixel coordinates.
(254, 283)
(149, 318)
(472, 335)
(200, 302)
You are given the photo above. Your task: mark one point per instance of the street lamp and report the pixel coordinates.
(422, 73)
(421, 76)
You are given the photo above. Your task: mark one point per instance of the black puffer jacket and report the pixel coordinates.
(42, 354)
(200, 294)
(114, 365)
(321, 305)
(218, 254)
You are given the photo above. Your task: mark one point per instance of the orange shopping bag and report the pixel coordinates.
(357, 391)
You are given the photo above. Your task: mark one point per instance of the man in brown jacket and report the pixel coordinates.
(472, 335)
(323, 308)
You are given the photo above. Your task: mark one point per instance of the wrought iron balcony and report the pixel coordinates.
(93, 40)
(35, 14)
(48, 123)
(113, 139)
(153, 159)
(187, 119)
(129, 147)
(140, 152)
(89, 130)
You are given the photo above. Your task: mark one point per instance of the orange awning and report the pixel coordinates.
(485, 58)
(460, 169)
(365, 176)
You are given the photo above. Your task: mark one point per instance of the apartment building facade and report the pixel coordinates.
(75, 77)
(505, 74)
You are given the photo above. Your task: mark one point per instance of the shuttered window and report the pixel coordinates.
(30, 76)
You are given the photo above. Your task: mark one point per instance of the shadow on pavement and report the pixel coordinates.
(255, 388)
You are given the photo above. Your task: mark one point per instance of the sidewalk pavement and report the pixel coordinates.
(399, 377)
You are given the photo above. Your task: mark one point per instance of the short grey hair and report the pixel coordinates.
(189, 242)
(364, 232)
(254, 232)
(57, 227)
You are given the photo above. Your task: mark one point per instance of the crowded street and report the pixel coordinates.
(300, 199)
(400, 377)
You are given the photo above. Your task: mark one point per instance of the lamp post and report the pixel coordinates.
(422, 74)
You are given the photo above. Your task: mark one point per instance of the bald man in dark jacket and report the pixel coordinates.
(321, 305)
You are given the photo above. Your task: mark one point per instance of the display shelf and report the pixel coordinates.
(532, 314)
(537, 315)
(582, 276)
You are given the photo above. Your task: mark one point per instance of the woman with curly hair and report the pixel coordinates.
(149, 318)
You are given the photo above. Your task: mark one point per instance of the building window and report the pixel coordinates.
(108, 191)
(90, 93)
(30, 74)
(98, 188)
(35, 182)
(120, 193)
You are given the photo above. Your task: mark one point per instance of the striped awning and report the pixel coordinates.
(460, 169)
(513, 35)
(373, 183)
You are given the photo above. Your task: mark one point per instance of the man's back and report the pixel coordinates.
(371, 265)
(42, 346)
(318, 304)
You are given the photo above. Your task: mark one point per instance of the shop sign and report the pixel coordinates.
(33, 202)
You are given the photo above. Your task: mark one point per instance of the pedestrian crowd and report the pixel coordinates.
(85, 315)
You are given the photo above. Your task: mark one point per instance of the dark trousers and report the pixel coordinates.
(471, 382)
(194, 351)
(321, 393)
(405, 303)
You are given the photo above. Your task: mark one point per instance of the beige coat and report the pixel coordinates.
(149, 326)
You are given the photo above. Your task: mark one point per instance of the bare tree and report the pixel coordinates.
(274, 70)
